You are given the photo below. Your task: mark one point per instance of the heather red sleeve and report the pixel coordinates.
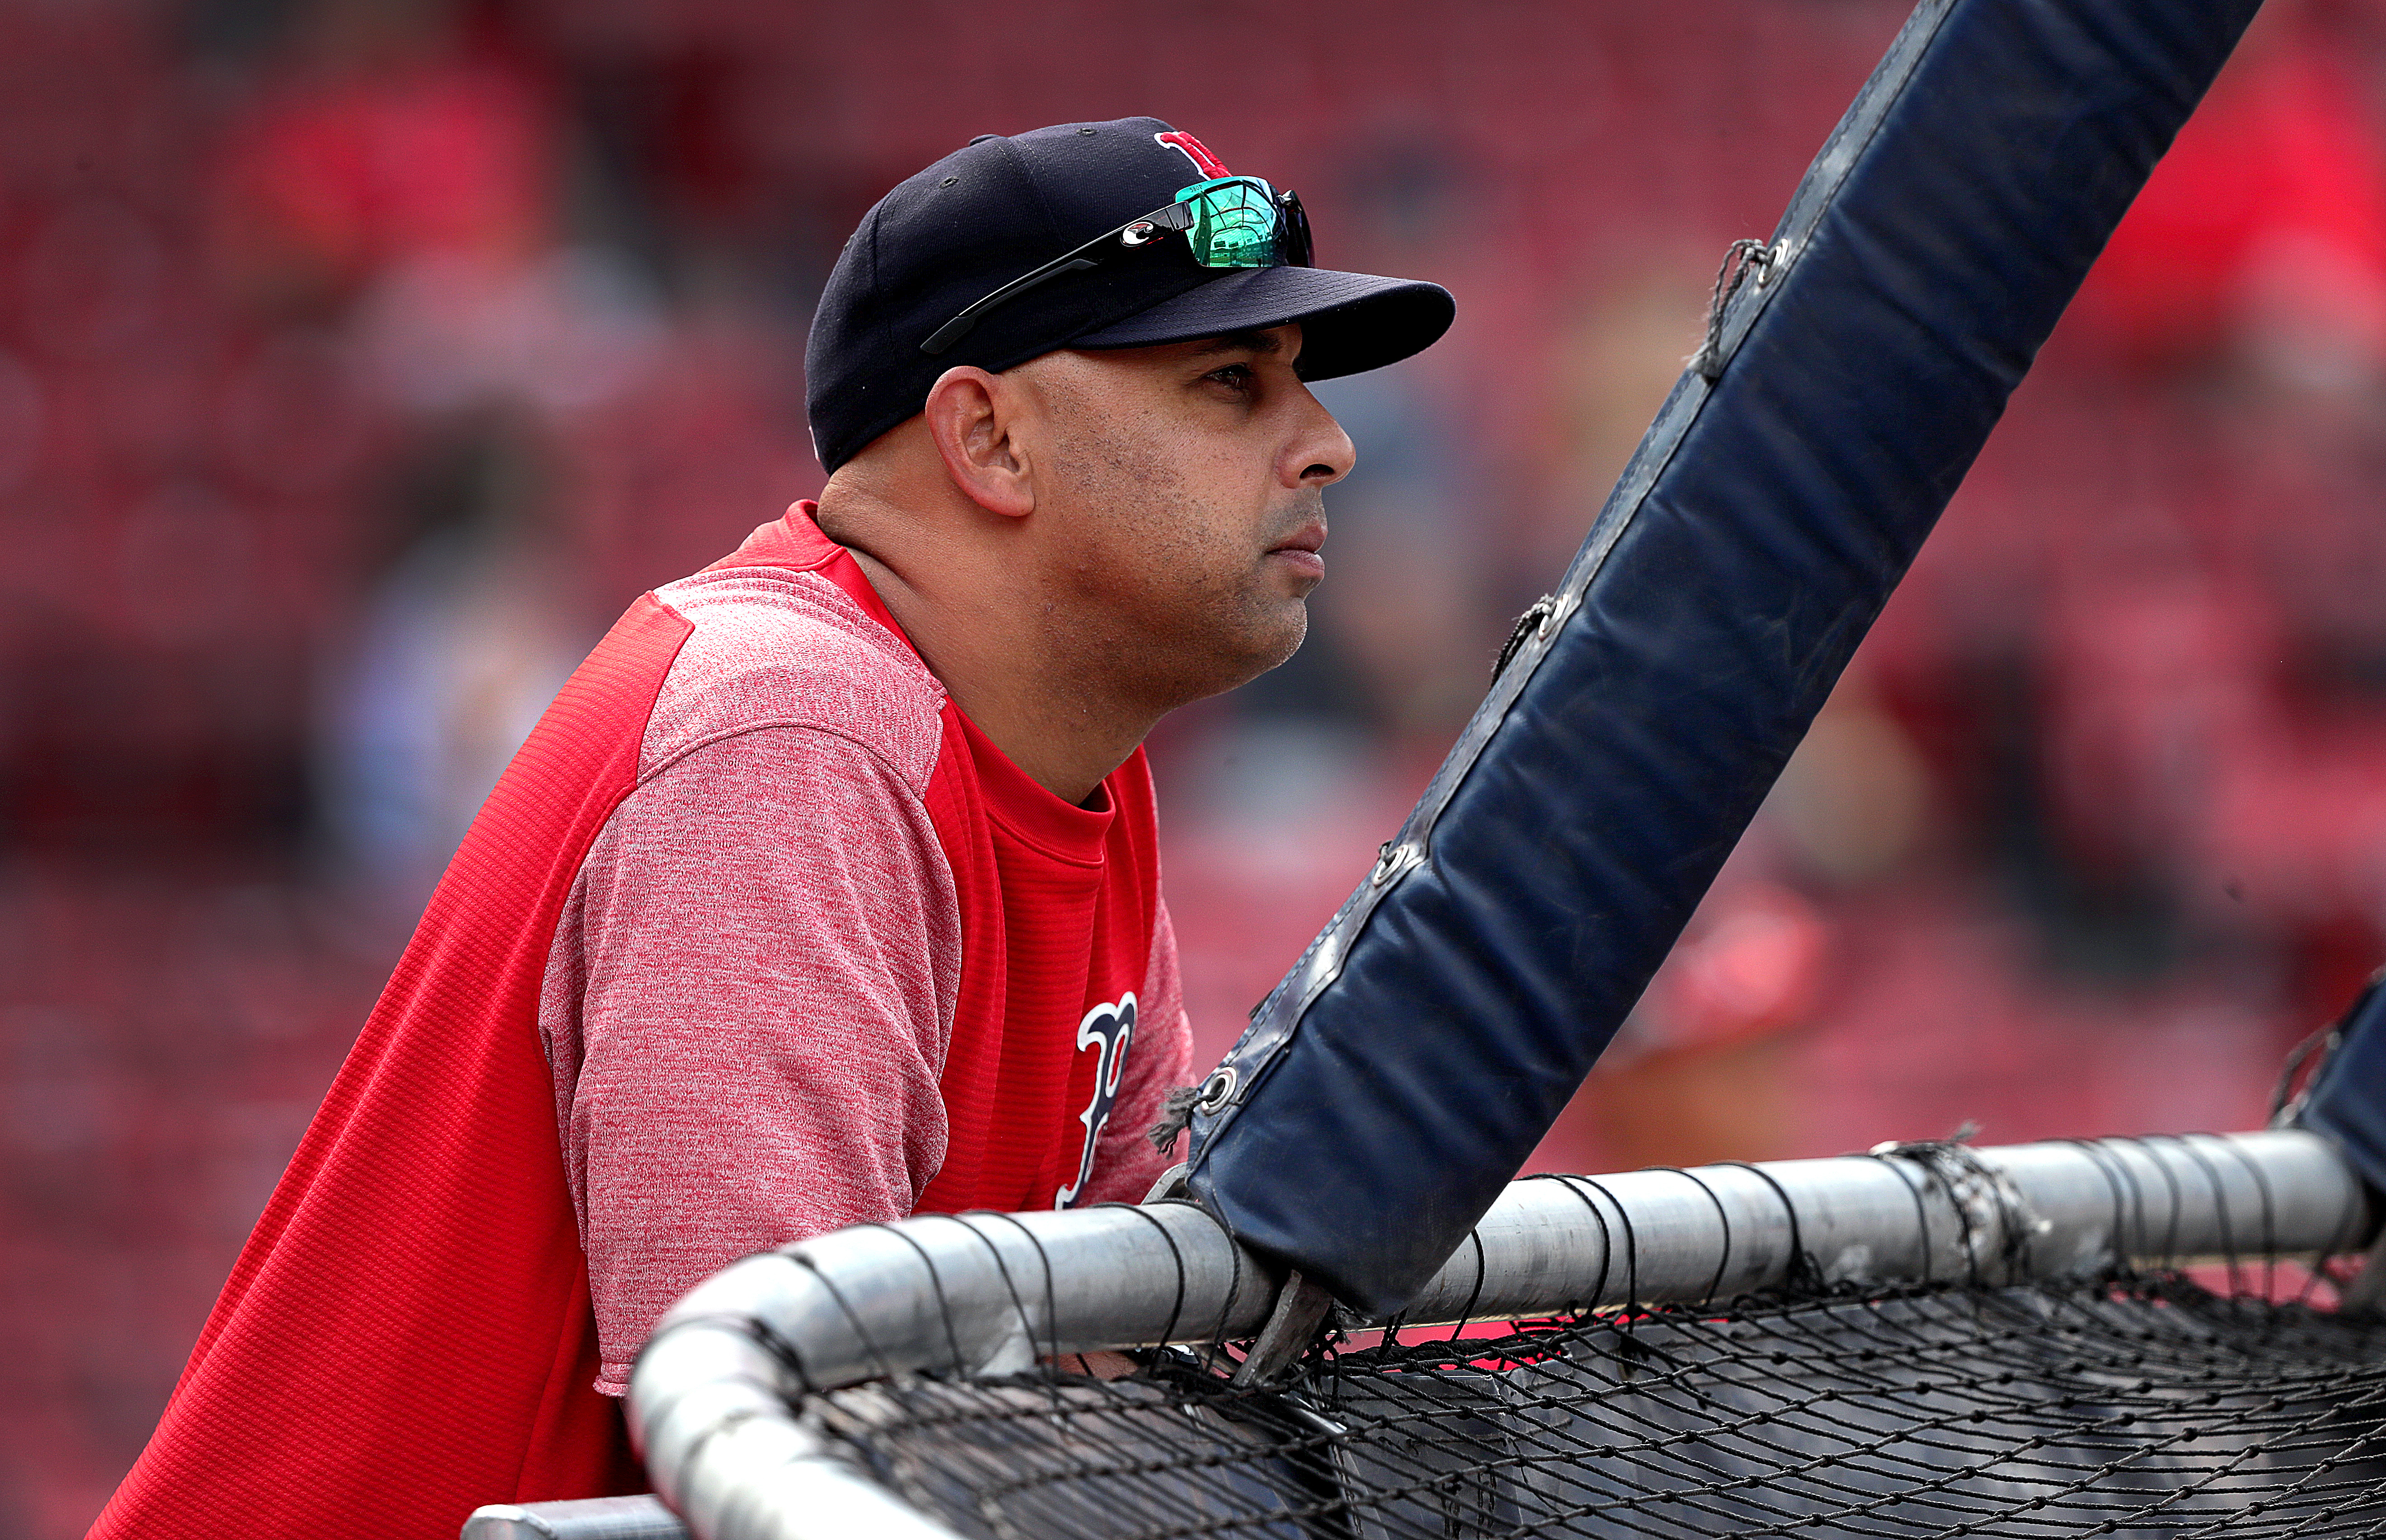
(748, 1006)
(1158, 1059)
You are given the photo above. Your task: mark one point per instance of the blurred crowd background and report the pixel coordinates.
(360, 358)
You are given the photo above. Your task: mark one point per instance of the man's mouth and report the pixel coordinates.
(1300, 549)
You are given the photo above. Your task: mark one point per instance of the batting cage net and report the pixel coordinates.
(2135, 1406)
(2139, 1337)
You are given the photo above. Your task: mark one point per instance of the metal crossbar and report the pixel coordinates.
(1926, 1341)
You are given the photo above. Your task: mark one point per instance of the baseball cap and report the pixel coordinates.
(1003, 205)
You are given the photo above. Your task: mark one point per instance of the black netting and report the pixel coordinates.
(2138, 1409)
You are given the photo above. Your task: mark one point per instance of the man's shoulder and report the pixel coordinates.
(774, 648)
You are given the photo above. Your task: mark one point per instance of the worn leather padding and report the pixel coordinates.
(2347, 1098)
(1412, 1062)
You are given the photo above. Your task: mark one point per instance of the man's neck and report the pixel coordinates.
(977, 622)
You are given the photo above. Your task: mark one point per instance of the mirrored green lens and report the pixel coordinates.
(1234, 223)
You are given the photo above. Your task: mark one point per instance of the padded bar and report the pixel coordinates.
(1420, 1049)
(2346, 1099)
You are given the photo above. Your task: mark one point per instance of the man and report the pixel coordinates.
(828, 890)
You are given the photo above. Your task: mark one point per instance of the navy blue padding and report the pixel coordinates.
(1411, 1061)
(2346, 1099)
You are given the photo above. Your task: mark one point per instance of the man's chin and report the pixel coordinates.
(1275, 648)
(1228, 669)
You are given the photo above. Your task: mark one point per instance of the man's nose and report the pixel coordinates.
(1323, 451)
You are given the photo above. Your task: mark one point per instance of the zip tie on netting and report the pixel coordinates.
(2178, 1199)
(1607, 1236)
(1722, 1218)
(836, 1295)
(2124, 1188)
(1176, 1254)
(1631, 1245)
(1805, 1274)
(1002, 1270)
(1051, 1300)
(2219, 1206)
(936, 1286)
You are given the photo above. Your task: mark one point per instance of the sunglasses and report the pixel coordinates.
(1226, 222)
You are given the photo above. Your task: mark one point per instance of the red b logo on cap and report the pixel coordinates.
(1209, 165)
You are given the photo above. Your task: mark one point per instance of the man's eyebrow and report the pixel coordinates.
(1238, 342)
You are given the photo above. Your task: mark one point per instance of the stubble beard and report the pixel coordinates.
(1163, 610)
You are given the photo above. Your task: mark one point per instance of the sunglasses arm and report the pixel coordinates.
(1174, 216)
(960, 326)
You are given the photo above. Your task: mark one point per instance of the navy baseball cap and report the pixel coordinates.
(1001, 207)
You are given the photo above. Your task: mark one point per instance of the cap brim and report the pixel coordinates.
(1351, 322)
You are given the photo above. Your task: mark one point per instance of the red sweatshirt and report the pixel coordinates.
(758, 936)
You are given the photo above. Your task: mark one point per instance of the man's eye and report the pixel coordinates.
(1237, 377)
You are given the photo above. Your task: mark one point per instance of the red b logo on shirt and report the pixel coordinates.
(1110, 1027)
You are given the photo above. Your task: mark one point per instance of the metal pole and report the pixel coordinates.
(988, 1293)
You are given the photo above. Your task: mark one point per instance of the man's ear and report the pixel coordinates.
(974, 416)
